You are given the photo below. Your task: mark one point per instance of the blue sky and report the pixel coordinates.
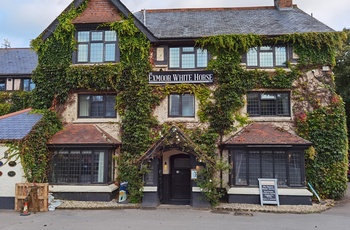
(23, 20)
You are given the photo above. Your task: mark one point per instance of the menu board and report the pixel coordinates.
(268, 191)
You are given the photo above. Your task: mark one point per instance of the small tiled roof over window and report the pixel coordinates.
(262, 133)
(194, 23)
(19, 61)
(16, 126)
(82, 134)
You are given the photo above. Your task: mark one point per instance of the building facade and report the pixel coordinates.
(196, 60)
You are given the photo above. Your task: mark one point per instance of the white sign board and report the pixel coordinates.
(268, 191)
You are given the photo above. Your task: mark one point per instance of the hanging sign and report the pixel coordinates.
(268, 191)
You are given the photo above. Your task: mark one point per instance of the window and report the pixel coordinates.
(97, 46)
(2, 84)
(267, 57)
(28, 85)
(97, 106)
(285, 166)
(181, 105)
(187, 58)
(77, 166)
(268, 103)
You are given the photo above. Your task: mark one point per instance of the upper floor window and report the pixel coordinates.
(187, 58)
(2, 84)
(268, 103)
(181, 105)
(97, 106)
(97, 46)
(28, 84)
(267, 57)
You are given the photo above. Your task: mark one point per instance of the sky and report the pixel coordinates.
(24, 20)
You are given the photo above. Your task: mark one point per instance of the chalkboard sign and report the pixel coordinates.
(268, 191)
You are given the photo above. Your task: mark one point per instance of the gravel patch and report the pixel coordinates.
(223, 207)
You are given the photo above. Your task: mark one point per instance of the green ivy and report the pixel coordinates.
(33, 152)
(220, 104)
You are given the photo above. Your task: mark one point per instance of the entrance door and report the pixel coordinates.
(180, 179)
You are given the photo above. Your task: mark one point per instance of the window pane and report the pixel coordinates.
(2, 84)
(83, 51)
(266, 48)
(241, 168)
(98, 166)
(188, 105)
(174, 56)
(266, 59)
(188, 61)
(110, 52)
(280, 168)
(96, 36)
(283, 104)
(253, 104)
(281, 57)
(86, 164)
(110, 106)
(84, 105)
(83, 36)
(268, 108)
(252, 57)
(97, 106)
(188, 49)
(96, 54)
(267, 164)
(202, 58)
(295, 169)
(110, 36)
(174, 105)
(254, 167)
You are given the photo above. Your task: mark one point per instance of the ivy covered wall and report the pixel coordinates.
(219, 106)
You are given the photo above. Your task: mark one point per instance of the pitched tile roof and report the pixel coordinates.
(194, 23)
(265, 134)
(82, 134)
(19, 61)
(15, 126)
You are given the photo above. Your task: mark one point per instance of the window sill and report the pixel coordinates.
(269, 119)
(83, 188)
(95, 120)
(291, 191)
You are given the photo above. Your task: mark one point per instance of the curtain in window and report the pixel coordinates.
(240, 168)
(254, 167)
(98, 169)
(187, 105)
(84, 105)
(294, 169)
(174, 105)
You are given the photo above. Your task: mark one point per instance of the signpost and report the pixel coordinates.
(268, 191)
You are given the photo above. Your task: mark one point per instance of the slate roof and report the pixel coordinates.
(19, 61)
(82, 134)
(261, 133)
(194, 23)
(16, 126)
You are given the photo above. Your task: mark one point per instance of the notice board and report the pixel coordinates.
(268, 191)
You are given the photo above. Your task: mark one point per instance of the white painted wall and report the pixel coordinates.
(8, 184)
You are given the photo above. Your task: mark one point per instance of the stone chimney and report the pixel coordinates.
(281, 4)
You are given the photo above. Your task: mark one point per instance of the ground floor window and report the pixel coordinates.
(286, 166)
(81, 166)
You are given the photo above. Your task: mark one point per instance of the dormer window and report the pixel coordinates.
(187, 58)
(267, 57)
(97, 46)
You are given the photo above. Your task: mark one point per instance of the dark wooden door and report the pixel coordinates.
(181, 177)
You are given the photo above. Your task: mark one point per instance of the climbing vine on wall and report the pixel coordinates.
(33, 151)
(219, 104)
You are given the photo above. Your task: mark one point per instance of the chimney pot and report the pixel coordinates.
(280, 4)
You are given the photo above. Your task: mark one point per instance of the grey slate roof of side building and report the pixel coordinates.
(16, 126)
(195, 23)
(17, 61)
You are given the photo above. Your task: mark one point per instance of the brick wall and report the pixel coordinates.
(99, 11)
(283, 3)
